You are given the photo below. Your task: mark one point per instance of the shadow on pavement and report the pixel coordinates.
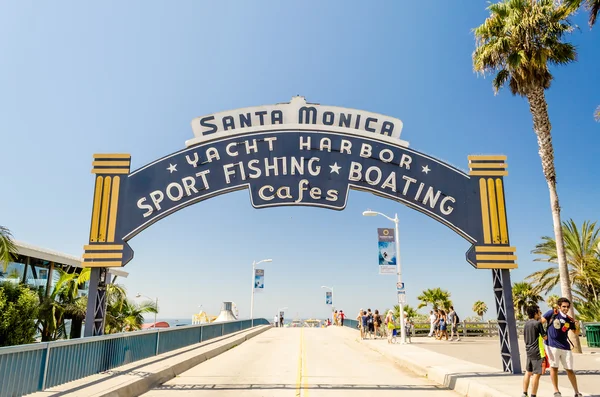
(280, 386)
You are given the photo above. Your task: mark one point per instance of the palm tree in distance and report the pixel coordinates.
(480, 308)
(7, 247)
(524, 295)
(123, 314)
(593, 6)
(410, 311)
(583, 259)
(517, 42)
(436, 297)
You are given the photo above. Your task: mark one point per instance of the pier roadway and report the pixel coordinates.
(287, 362)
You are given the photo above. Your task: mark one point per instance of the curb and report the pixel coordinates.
(143, 385)
(453, 380)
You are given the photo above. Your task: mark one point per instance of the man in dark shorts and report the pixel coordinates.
(532, 332)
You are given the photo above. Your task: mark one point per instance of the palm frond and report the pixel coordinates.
(521, 38)
(7, 247)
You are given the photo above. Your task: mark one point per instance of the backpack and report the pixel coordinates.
(370, 319)
(457, 318)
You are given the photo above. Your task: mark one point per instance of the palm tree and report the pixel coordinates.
(410, 311)
(589, 311)
(74, 305)
(524, 295)
(593, 6)
(436, 297)
(552, 301)
(519, 40)
(123, 314)
(61, 304)
(7, 247)
(480, 308)
(583, 259)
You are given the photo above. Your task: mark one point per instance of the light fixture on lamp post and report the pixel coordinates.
(156, 300)
(254, 263)
(398, 266)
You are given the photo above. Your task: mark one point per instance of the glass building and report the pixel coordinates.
(37, 266)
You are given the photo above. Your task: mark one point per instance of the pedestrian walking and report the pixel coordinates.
(532, 332)
(342, 316)
(559, 349)
(275, 321)
(370, 323)
(453, 321)
(443, 324)
(377, 322)
(432, 319)
(389, 323)
(365, 324)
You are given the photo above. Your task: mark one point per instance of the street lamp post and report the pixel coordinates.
(396, 221)
(332, 305)
(156, 303)
(254, 263)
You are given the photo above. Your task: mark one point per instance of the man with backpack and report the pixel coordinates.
(453, 322)
(559, 345)
(370, 323)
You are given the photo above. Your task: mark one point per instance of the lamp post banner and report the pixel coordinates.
(387, 251)
(328, 298)
(259, 280)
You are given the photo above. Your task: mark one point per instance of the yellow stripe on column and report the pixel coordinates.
(490, 158)
(103, 247)
(112, 156)
(103, 163)
(110, 171)
(488, 173)
(104, 211)
(96, 209)
(494, 249)
(487, 165)
(103, 255)
(114, 205)
(485, 216)
(497, 266)
(499, 257)
(493, 211)
(102, 264)
(501, 212)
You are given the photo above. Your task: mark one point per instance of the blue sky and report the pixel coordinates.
(78, 79)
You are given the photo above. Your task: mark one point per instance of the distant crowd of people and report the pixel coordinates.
(441, 322)
(373, 325)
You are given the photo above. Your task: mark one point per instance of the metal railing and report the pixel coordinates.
(35, 367)
(466, 328)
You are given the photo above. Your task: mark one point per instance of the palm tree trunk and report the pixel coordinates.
(541, 125)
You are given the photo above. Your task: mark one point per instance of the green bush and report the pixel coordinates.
(18, 311)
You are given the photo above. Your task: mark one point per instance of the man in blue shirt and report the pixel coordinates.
(559, 345)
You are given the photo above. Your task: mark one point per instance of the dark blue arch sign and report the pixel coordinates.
(300, 153)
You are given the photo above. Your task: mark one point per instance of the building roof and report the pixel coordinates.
(33, 251)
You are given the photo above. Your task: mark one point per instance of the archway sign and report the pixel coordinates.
(302, 154)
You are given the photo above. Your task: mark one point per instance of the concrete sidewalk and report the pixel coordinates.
(486, 351)
(138, 377)
(461, 375)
